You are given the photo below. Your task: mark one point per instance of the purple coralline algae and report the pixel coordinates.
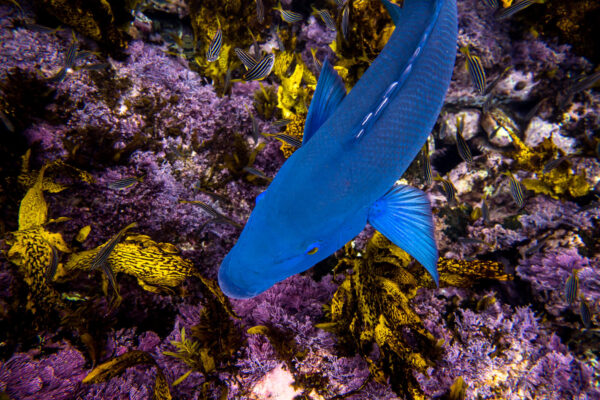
(149, 115)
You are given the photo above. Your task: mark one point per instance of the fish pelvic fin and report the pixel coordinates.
(403, 215)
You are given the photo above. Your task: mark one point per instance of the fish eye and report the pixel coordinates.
(313, 248)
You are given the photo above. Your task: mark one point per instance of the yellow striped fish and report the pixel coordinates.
(461, 143)
(257, 173)
(246, 59)
(571, 287)
(448, 190)
(585, 313)
(292, 141)
(485, 210)
(491, 3)
(70, 58)
(345, 20)
(475, 69)
(291, 17)
(101, 259)
(261, 70)
(214, 214)
(214, 48)
(280, 123)
(516, 190)
(124, 183)
(427, 174)
(515, 8)
(326, 17)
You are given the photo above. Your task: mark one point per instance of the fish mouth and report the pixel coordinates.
(228, 285)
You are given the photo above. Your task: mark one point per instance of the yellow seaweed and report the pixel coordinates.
(372, 304)
(117, 365)
(157, 266)
(560, 182)
(292, 97)
(296, 130)
(32, 248)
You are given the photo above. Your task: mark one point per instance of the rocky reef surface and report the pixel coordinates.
(116, 119)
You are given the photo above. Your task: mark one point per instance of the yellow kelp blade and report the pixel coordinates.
(117, 365)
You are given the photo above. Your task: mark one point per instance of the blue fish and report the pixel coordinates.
(354, 149)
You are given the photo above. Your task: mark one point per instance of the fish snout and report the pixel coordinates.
(227, 283)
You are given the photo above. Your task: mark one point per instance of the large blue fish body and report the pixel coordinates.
(354, 149)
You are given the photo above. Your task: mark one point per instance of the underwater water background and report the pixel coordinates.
(137, 135)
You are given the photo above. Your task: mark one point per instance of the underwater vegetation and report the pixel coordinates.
(130, 162)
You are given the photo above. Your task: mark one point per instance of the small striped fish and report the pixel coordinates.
(261, 70)
(461, 143)
(105, 251)
(246, 59)
(585, 313)
(318, 63)
(101, 259)
(427, 174)
(516, 190)
(53, 264)
(571, 287)
(581, 85)
(475, 69)
(291, 17)
(214, 49)
(278, 39)
(345, 21)
(124, 183)
(280, 123)
(292, 141)
(585, 83)
(515, 8)
(216, 216)
(340, 3)
(71, 54)
(9, 125)
(68, 64)
(550, 165)
(260, 11)
(491, 3)
(257, 173)
(326, 17)
(485, 211)
(214, 196)
(255, 128)
(448, 189)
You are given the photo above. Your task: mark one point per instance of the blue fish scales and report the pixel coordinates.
(351, 177)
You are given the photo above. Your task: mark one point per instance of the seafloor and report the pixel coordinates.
(111, 115)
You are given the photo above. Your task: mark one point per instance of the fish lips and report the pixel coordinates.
(238, 282)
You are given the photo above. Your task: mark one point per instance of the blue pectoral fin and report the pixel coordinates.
(393, 9)
(328, 95)
(403, 215)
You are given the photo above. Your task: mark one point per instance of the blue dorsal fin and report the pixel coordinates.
(329, 94)
(403, 215)
(393, 9)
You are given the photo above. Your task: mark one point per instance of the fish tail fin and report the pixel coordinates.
(403, 215)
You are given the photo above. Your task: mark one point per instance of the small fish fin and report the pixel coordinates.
(403, 215)
(328, 95)
(393, 9)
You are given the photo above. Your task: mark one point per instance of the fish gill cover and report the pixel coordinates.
(111, 115)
